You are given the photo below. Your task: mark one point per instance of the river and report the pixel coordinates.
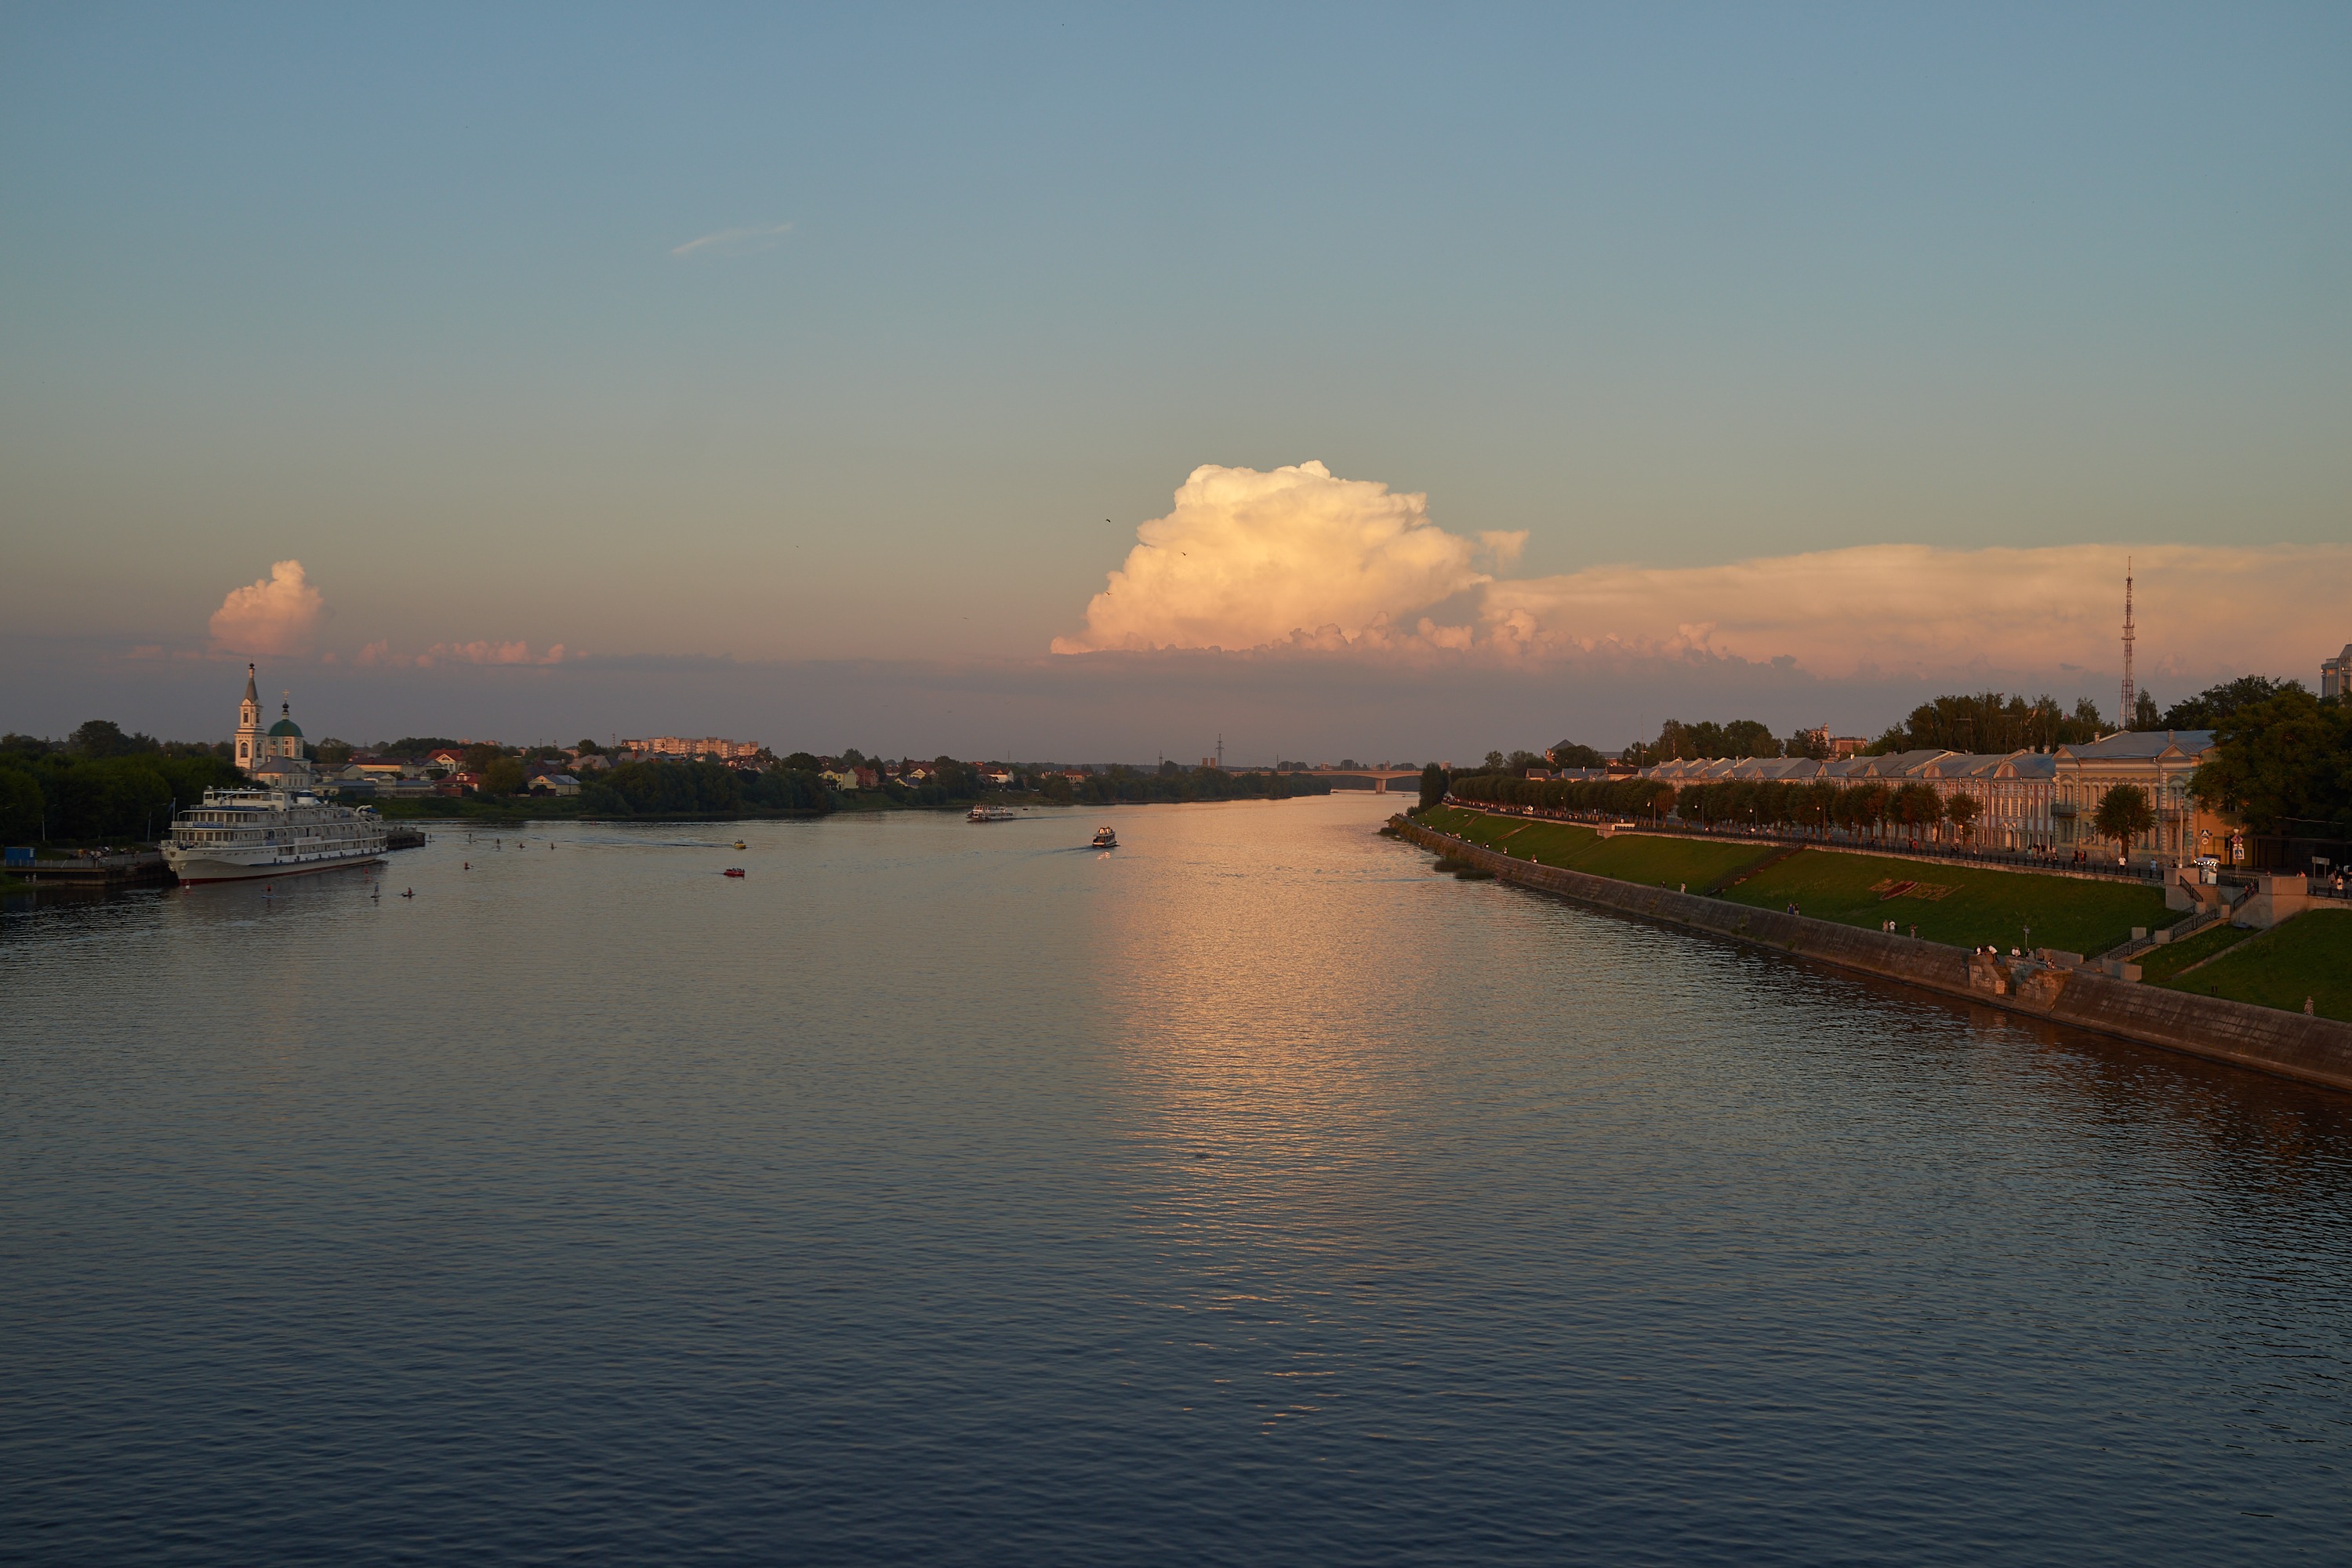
(951, 1193)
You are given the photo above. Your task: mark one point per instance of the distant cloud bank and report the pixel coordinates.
(1300, 561)
(381, 653)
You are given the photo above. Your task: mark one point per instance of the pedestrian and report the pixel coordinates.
(2306, 1007)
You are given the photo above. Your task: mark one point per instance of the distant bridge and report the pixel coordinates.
(1373, 779)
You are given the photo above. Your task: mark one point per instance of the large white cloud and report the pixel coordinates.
(275, 616)
(1249, 558)
(1298, 561)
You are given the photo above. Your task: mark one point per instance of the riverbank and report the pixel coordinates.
(1961, 906)
(2286, 1044)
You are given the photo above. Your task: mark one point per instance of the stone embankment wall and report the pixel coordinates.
(2314, 1050)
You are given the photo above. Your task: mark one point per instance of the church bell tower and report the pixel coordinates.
(248, 724)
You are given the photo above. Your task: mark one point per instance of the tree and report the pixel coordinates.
(1433, 785)
(503, 776)
(1868, 804)
(2123, 815)
(1917, 806)
(334, 752)
(1963, 810)
(478, 758)
(104, 738)
(2285, 759)
(21, 805)
(2211, 707)
(1568, 754)
(2144, 713)
(2086, 712)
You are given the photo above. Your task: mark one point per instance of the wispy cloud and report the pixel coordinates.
(736, 241)
(481, 652)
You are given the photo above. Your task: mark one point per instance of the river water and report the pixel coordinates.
(951, 1194)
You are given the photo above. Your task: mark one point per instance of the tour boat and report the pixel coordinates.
(1106, 839)
(991, 814)
(278, 825)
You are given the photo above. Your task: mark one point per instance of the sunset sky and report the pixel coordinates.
(958, 378)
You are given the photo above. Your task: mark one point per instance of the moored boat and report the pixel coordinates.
(277, 826)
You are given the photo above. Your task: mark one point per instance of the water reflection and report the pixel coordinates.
(945, 1193)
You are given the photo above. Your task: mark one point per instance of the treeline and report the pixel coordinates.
(1708, 740)
(1620, 797)
(1992, 722)
(701, 789)
(1132, 786)
(59, 796)
(1813, 806)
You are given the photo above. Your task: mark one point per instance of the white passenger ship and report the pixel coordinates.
(280, 825)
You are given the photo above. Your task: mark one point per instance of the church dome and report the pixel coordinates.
(287, 727)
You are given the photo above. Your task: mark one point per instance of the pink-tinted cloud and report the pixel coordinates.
(1915, 609)
(1248, 558)
(481, 652)
(1298, 561)
(277, 617)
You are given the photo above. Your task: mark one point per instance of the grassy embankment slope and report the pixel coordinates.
(1964, 905)
(1693, 863)
(2307, 956)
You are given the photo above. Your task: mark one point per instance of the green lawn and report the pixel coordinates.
(2310, 956)
(2161, 964)
(1652, 861)
(1983, 906)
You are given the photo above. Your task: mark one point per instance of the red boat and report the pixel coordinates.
(732, 871)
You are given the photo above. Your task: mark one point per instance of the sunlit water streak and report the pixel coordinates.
(945, 1193)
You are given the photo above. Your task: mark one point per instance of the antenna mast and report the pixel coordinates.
(2130, 699)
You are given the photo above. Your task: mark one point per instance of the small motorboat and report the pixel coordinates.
(1106, 839)
(738, 843)
(732, 871)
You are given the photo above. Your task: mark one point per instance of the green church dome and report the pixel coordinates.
(287, 727)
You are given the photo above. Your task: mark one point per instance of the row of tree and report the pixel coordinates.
(58, 795)
(1871, 809)
(699, 789)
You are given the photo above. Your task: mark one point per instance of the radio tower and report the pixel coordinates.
(2131, 698)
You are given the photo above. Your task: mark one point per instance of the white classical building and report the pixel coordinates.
(2025, 798)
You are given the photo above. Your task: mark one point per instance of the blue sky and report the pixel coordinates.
(400, 293)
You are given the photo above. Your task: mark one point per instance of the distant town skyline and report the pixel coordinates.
(1459, 377)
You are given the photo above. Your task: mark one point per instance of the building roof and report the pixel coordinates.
(2141, 745)
(287, 727)
(1965, 765)
(1897, 764)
